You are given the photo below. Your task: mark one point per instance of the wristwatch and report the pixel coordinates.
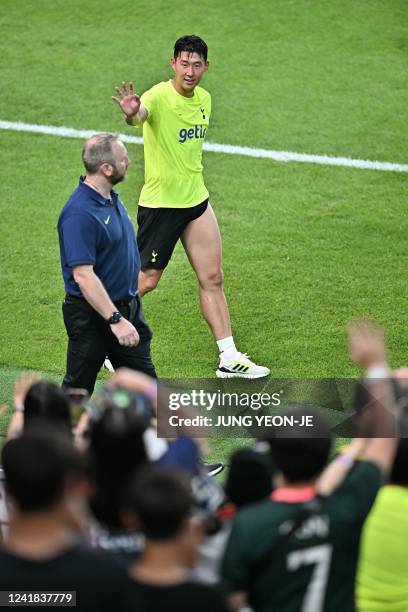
(114, 318)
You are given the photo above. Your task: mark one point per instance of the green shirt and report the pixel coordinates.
(315, 570)
(173, 137)
(382, 579)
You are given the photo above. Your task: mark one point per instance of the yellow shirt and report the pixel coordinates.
(382, 578)
(173, 137)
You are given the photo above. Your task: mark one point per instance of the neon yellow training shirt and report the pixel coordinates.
(173, 137)
(382, 577)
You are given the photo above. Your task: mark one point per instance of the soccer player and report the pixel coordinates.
(174, 202)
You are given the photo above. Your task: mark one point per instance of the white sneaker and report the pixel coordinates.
(241, 367)
(108, 366)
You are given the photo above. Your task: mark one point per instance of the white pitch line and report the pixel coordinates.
(279, 156)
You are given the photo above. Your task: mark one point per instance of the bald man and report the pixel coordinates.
(100, 265)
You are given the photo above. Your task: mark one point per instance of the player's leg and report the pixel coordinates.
(88, 342)
(158, 232)
(202, 243)
(148, 220)
(156, 239)
(148, 280)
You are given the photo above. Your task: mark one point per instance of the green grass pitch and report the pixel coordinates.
(306, 247)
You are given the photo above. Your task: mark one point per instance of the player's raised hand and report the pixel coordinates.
(127, 99)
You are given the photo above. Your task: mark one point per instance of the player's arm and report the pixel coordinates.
(367, 348)
(137, 382)
(129, 103)
(335, 473)
(96, 295)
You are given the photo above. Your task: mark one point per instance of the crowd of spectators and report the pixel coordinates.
(93, 502)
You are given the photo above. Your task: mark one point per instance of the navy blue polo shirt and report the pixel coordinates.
(95, 231)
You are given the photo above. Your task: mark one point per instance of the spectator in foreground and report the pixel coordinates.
(117, 450)
(298, 550)
(121, 430)
(45, 480)
(176, 446)
(36, 402)
(249, 480)
(382, 579)
(161, 502)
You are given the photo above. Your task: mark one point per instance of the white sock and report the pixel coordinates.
(227, 347)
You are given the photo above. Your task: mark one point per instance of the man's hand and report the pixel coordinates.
(366, 344)
(128, 101)
(125, 333)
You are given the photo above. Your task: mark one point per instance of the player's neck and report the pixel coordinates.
(99, 184)
(282, 483)
(181, 91)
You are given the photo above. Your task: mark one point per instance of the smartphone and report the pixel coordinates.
(78, 401)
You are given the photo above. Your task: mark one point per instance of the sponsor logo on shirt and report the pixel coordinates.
(198, 131)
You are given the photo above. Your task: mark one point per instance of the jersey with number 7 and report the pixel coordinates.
(314, 571)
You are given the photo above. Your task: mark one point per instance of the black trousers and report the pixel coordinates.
(90, 340)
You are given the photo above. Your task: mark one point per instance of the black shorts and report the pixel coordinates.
(159, 230)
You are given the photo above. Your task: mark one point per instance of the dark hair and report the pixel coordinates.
(399, 471)
(47, 402)
(191, 44)
(117, 450)
(249, 477)
(37, 465)
(297, 456)
(162, 500)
